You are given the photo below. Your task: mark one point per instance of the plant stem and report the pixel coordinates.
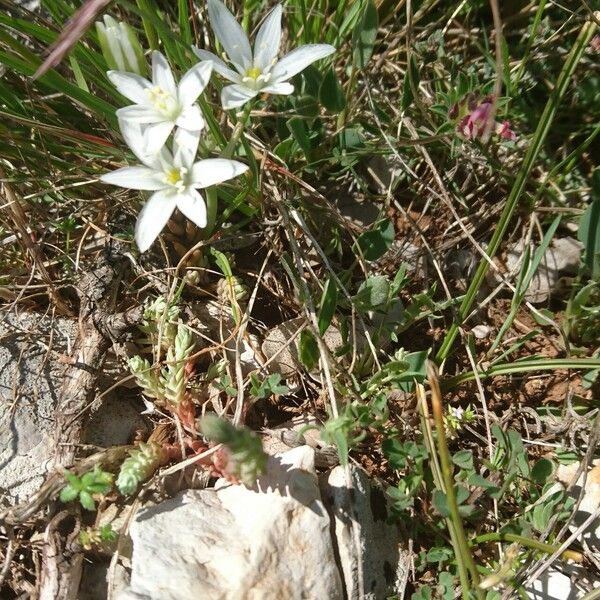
(582, 41)
(237, 132)
(438, 479)
(528, 542)
(211, 193)
(447, 474)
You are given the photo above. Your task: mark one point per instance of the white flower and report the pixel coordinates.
(120, 46)
(174, 179)
(258, 72)
(161, 104)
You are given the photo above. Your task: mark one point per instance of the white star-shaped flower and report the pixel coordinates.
(161, 104)
(259, 71)
(173, 177)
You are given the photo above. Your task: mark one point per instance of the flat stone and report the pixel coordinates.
(234, 543)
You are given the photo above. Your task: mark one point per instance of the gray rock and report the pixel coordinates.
(31, 376)
(379, 561)
(561, 259)
(234, 543)
(29, 380)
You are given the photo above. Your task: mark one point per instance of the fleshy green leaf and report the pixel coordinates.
(308, 350)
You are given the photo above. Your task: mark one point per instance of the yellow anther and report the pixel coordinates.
(253, 73)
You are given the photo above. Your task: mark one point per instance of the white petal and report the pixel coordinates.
(185, 146)
(153, 218)
(191, 118)
(132, 86)
(133, 134)
(135, 178)
(297, 60)
(156, 135)
(218, 65)
(232, 37)
(283, 88)
(192, 205)
(215, 170)
(192, 84)
(268, 39)
(139, 114)
(235, 95)
(162, 76)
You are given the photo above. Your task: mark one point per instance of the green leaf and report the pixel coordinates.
(72, 479)
(440, 503)
(298, 129)
(331, 94)
(364, 36)
(439, 554)
(463, 459)
(86, 500)
(328, 305)
(589, 235)
(342, 445)
(373, 293)
(308, 349)
(411, 81)
(375, 243)
(542, 470)
(68, 494)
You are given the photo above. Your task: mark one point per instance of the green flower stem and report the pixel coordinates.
(237, 132)
(523, 541)
(524, 366)
(448, 476)
(211, 193)
(581, 43)
(211, 211)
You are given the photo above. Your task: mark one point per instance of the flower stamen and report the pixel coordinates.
(176, 177)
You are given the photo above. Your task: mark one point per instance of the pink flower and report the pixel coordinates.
(504, 131)
(477, 121)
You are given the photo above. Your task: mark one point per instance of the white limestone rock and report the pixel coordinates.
(234, 543)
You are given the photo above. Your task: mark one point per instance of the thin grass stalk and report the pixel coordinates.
(524, 541)
(436, 471)
(448, 477)
(532, 35)
(583, 39)
(151, 34)
(524, 366)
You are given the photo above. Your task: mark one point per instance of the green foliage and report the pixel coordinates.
(247, 459)
(364, 36)
(270, 386)
(329, 301)
(139, 466)
(93, 483)
(377, 241)
(308, 350)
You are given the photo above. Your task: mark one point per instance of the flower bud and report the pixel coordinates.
(120, 47)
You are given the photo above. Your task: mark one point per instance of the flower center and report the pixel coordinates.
(162, 101)
(255, 78)
(176, 176)
(253, 73)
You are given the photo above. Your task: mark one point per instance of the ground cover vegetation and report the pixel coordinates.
(362, 171)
